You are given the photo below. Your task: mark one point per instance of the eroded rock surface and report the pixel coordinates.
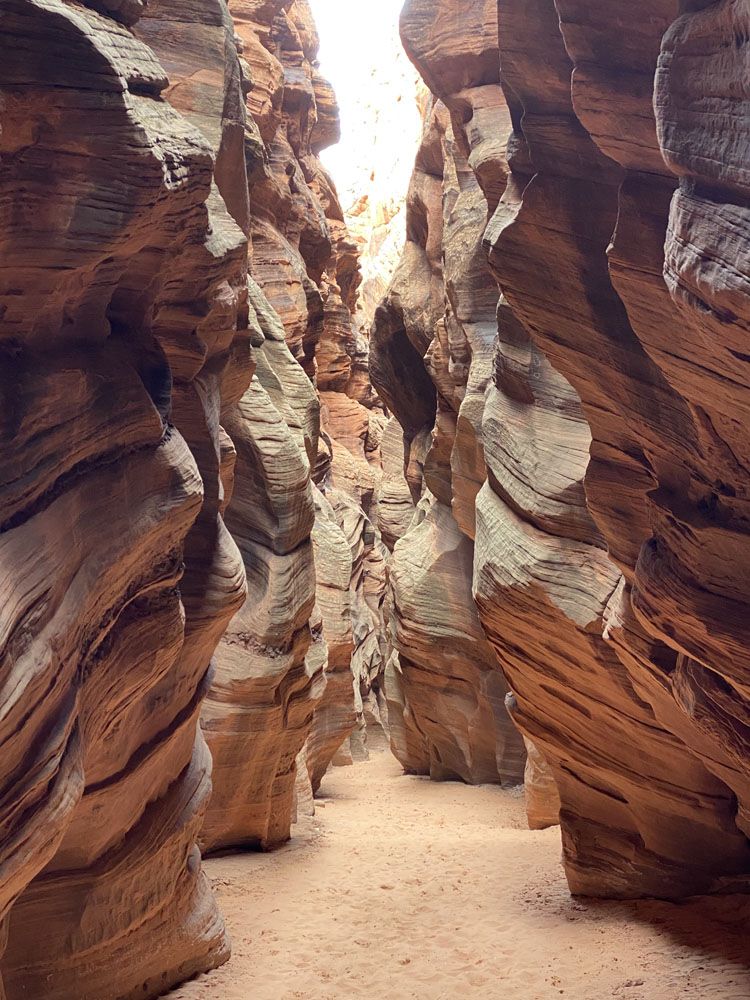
(122, 336)
(446, 685)
(175, 272)
(432, 361)
(646, 436)
(295, 663)
(208, 511)
(605, 487)
(259, 709)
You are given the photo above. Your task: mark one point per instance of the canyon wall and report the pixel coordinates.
(609, 524)
(123, 333)
(285, 694)
(431, 362)
(207, 510)
(176, 274)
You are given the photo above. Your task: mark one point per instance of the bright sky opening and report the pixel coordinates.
(376, 89)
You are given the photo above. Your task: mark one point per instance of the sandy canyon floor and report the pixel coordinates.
(400, 888)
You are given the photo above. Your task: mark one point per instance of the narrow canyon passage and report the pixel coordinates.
(421, 414)
(406, 889)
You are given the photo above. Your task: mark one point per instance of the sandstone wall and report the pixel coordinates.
(123, 333)
(432, 361)
(608, 567)
(172, 268)
(619, 836)
(201, 490)
(289, 668)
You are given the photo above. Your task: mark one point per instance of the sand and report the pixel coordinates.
(401, 888)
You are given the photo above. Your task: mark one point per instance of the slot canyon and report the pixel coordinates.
(374, 499)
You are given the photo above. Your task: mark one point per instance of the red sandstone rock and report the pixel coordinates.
(621, 835)
(611, 585)
(605, 582)
(395, 505)
(260, 706)
(285, 669)
(335, 714)
(542, 796)
(450, 685)
(445, 688)
(535, 536)
(121, 333)
(131, 404)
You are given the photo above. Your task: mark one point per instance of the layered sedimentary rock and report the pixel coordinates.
(395, 507)
(537, 549)
(335, 715)
(368, 592)
(122, 335)
(540, 789)
(646, 820)
(285, 669)
(446, 694)
(431, 361)
(269, 666)
(608, 568)
(161, 427)
(259, 709)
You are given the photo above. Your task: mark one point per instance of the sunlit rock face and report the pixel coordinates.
(296, 662)
(123, 336)
(540, 789)
(605, 485)
(259, 710)
(385, 124)
(431, 361)
(270, 672)
(335, 716)
(649, 818)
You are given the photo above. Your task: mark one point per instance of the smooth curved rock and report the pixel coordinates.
(609, 425)
(120, 576)
(542, 796)
(433, 338)
(260, 707)
(335, 714)
(662, 810)
(285, 689)
(450, 684)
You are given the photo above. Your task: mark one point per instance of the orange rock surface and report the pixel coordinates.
(606, 499)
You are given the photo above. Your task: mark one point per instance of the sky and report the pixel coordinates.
(361, 54)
